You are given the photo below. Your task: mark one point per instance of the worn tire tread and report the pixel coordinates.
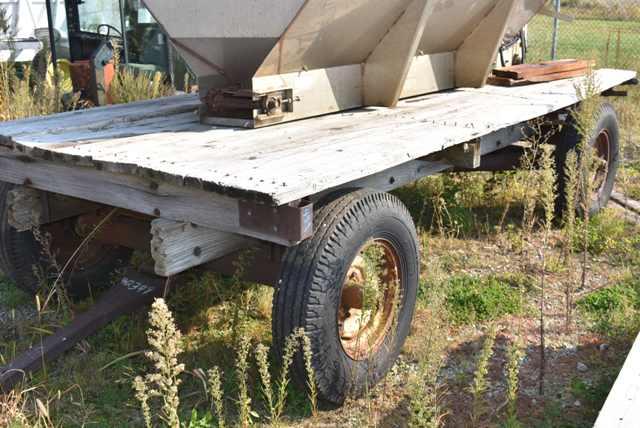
(306, 270)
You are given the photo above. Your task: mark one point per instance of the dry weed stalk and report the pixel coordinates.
(242, 369)
(166, 345)
(311, 374)
(57, 289)
(214, 380)
(25, 97)
(480, 380)
(12, 410)
(569, 227)
(290, 348)
(540, 186)
(131, 85)
(425, 393)
(514, 356)
(585, 117)
(262, 359)
(548, 198)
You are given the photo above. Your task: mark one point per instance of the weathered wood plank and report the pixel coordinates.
(626, 202)
(526, 71)
(178, 246)
(286, 163)
(393, 178)
(103, 117)
(28, 208)
(505, 81)
(25, 208)
(133, 193)
(622, 408)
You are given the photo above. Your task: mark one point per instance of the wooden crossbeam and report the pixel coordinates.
(178, 246)
(28, 208)
(25, 208)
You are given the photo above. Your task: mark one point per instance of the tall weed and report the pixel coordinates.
(130, 85)
(164, 381)
(481, 378)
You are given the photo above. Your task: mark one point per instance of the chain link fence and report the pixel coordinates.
(607, 31)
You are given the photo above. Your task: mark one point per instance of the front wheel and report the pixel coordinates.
(352, 288)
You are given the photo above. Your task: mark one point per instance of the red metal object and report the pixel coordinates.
(293, 223)
(263, 264)
(134, 291)
(602, 148)
(80, 75)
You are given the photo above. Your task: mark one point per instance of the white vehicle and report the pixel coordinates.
(27, 28)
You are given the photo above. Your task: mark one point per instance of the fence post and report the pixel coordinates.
(556, 28)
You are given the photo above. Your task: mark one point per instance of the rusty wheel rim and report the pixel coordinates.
(602, 148)
(369, 302)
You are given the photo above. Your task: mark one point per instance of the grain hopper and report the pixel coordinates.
(260, 62)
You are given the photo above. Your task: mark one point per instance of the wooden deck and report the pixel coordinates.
(280, 164)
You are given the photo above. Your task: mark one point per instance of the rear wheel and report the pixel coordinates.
(352, 288)
(605, 142)
(24, 260)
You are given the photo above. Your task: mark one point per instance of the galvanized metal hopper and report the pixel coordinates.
(266, 61)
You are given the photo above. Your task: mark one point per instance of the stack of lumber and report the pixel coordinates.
(549, 71)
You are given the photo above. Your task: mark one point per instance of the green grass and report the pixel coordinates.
(587, 38)
(594, 393)
(631, 177)
(614, 311)
(472, 299)
(606, 233)
(10, 296)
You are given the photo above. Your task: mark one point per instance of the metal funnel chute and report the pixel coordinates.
(267, 61)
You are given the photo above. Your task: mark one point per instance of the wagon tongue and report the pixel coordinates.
(134, 291)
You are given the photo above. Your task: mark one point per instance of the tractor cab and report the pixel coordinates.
(98, 31)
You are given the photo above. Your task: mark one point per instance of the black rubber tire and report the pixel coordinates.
(569, 139)
(309, 291)
(20, 253)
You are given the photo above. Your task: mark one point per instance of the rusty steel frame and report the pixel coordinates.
(134, 291)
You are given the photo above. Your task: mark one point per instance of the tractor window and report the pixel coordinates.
(146, 43)
(98, 15)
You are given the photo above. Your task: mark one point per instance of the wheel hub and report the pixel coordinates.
(602, 149)
(369, 300)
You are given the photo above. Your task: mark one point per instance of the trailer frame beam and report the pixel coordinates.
(161, 200)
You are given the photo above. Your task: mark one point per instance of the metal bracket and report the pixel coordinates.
(292, 223)
(614, 93)
(247, 105)
(274, 104)
(467, 155)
